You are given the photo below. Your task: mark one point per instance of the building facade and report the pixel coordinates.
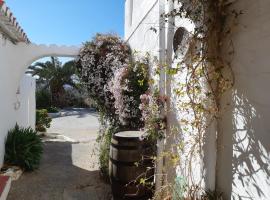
(236, 151)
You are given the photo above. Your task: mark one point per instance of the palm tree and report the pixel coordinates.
(54, 76)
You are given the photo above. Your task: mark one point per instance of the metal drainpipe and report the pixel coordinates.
(162, 46)
(170, 140)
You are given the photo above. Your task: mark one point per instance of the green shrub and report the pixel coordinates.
(104, 150)
(52, 109)
(104, 153)
(43, 120)
(23, 148)
(74, 98)
(43, 99)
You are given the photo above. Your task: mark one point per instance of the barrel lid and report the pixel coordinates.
(130, 134)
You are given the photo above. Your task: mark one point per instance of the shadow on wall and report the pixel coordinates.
(59, 178)
(244, 150)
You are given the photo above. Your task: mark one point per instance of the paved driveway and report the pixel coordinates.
(69, 166)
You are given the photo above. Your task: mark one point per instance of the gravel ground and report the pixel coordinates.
(69, 166)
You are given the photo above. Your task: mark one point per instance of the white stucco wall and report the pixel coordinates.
(26, 105)
(145, 17)
(238, 162)
(14, 60)
(144, 32)
(243, 167)
(8, 96)
(141, 35)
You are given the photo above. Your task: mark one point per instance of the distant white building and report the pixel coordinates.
(17, 53)
(236, 157)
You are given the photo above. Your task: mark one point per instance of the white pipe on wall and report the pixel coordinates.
(170, 138)
(162, 56)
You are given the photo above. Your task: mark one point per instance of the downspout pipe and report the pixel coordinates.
(170, 135)
(162, 59)
(166, 33)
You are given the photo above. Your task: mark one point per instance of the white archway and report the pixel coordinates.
(14, 60)
(25, 54)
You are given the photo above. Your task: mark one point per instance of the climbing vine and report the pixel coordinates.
(152, 104)
(204, 74)
(97, 62)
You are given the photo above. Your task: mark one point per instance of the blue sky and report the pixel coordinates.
(68, 22)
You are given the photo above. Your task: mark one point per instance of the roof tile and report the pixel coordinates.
(12, 27)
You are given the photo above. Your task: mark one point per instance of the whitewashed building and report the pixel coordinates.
(236, 157)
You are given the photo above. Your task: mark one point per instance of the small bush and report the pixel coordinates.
(104, 150)
(74, 98)
(43, 99)
(23, 148)
(52, 109)
(43, 120)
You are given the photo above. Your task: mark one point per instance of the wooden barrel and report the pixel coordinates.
(130, 160)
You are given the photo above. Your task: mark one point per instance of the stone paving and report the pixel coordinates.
(69, 166)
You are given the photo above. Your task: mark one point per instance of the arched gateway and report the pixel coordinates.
(17, 53)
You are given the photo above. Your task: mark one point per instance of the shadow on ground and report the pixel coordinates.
(59, 179)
